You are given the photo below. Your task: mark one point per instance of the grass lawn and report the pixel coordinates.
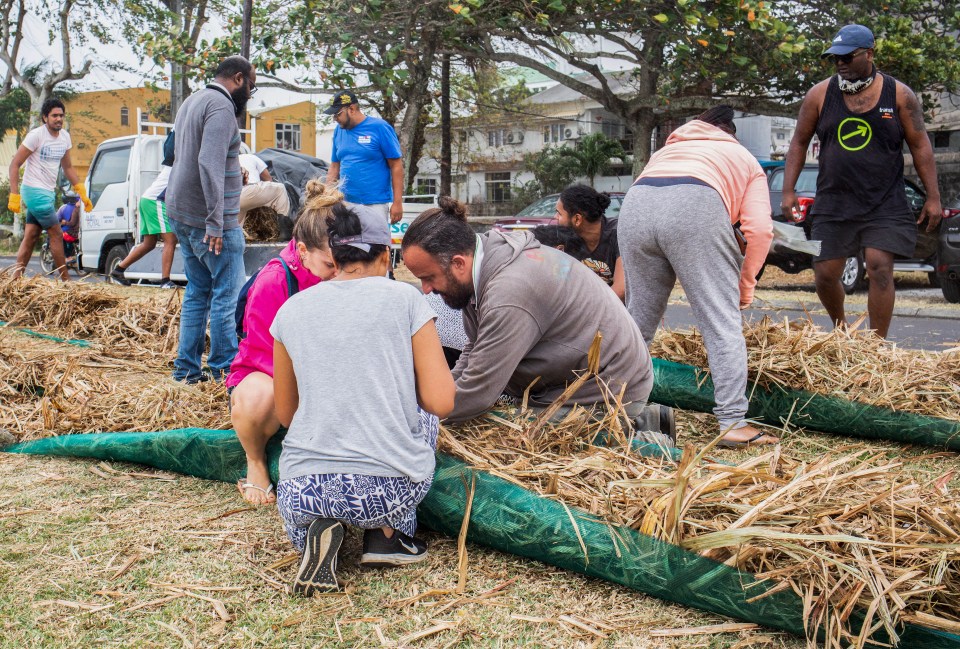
(114, 555)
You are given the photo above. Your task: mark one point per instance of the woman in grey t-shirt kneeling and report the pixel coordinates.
(360, 381)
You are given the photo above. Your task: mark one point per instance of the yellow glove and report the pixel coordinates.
(13, 203)
(82, 193)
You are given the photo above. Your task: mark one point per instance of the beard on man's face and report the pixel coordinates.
(457, 295)
(240, 97)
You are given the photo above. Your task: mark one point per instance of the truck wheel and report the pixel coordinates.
(853, 275)
(115, 255)
(951, 290)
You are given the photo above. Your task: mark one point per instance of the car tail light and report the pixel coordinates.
(804, 202)
(950, 212)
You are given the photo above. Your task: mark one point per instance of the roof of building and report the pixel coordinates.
(620, 83)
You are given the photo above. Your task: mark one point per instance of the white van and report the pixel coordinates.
(121, 170)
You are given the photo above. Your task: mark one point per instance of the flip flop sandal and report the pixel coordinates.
(242, 485)
(738, 443)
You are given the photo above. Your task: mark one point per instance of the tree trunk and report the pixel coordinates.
(446, 158)
(416, 149)
(176, 69)
(417, 96)
(642, 128)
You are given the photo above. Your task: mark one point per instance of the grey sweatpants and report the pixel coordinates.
(684, 232)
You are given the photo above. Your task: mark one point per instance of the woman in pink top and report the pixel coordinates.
(250, 382)
(677, 222)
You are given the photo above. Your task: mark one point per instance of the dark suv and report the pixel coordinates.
(931, 246)
(948, 258)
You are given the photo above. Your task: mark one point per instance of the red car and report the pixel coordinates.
(543, 211)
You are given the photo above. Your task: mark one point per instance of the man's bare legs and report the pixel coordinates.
(166, 255)
(827, 274)
(31, 232)
(882, 293)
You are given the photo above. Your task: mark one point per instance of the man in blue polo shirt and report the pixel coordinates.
(366, 154)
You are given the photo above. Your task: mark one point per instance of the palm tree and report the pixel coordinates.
(593, 154)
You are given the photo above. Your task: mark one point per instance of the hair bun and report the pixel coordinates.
(603, 200)
(318, 194)
(452, 207)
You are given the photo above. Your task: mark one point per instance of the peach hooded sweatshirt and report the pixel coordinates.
(707, 153)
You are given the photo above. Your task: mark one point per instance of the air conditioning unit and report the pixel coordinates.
(570, 134)
(515, 137)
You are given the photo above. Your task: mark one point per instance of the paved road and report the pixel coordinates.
(934, 334)
(33, 268)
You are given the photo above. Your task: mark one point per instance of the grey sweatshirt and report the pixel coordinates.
(205, 183)
(534, 314)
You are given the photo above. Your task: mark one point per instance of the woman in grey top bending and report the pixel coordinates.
(360, 380)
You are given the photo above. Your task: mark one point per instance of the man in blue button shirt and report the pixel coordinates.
(366, 155)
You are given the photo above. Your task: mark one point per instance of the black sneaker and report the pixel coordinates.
(117, 275)
(398, 550)
(318, 565)
(668, 423)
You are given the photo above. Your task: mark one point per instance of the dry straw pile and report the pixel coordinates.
(118, 380)
(849, 529)
(853, 364)
(261, 224)
(141, 329)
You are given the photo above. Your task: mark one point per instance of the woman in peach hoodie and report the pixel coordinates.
(678, 221)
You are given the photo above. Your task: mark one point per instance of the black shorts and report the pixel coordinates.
(842, 238)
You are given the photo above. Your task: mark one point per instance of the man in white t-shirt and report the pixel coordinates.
(259, 190)
(44, 150)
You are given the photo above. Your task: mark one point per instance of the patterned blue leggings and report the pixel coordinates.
(364, 501)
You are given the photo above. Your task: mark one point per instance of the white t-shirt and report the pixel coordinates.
(43, 165)
(159, 184)
(352, 356)
(254, 166)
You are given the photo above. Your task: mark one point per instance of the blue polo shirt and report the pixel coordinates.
(362, 152)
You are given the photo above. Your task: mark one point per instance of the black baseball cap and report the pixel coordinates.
(849, 39)
(341, 99)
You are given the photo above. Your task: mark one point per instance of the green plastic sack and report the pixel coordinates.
(690, 388)
(505, 517)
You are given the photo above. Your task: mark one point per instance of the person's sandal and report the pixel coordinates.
(243, 485)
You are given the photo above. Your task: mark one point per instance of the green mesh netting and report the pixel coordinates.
(36, 334)
(505, 517)
(690, 388)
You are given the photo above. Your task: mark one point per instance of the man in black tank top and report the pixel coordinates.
(861, 117)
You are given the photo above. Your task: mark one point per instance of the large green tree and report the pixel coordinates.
(70, 22)
(679, 57)
(168, 32)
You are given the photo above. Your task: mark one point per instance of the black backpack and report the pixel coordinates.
(292, 287)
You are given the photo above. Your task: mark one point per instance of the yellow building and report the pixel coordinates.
(8, 147)
(292, 127)
(93, 117)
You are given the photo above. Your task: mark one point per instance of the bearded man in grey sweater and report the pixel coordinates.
(203, 202)
(531, 314)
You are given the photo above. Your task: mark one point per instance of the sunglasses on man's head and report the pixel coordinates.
(847, 58)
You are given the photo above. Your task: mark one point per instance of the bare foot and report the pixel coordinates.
(256, 488)
(746, 436)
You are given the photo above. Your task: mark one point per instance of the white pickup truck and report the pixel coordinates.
(122, 169)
